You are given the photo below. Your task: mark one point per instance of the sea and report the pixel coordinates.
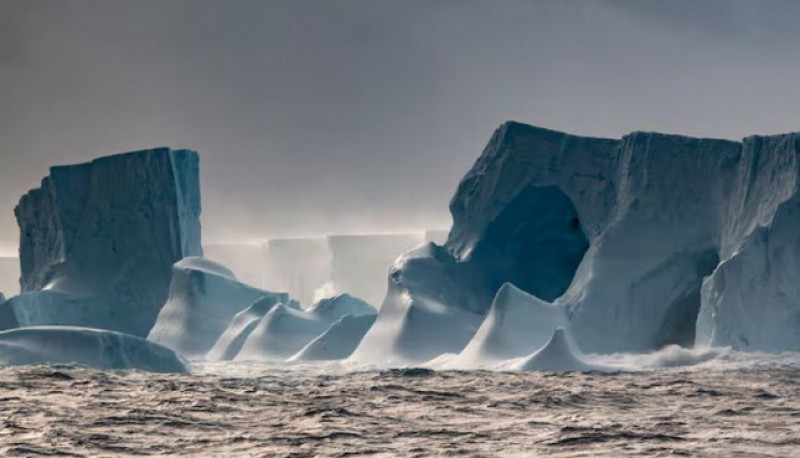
(731, 405)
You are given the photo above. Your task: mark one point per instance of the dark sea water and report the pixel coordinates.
(737, 407)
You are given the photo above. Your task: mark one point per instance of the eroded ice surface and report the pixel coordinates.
(95, 348)
(284, 331)
(204, 297)
(338, 341)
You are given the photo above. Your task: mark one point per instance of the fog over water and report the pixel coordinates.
(320, 117)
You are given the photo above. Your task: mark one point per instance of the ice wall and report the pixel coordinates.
(104, 235)
(640, 239)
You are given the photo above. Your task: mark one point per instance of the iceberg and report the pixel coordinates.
(646, 241)
(559, 354)
(98, 239)
(284, 331)
(204, 297)
(423, 314)
(241, 326)
(97, 348)
(338, 341)
(517, 324)
(7, 318)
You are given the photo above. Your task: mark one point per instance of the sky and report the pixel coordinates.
(346, 116)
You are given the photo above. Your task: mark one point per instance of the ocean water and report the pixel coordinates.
(730, 405)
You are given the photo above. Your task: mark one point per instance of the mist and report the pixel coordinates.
(360, 116)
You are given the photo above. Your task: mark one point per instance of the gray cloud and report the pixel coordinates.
(320, 116)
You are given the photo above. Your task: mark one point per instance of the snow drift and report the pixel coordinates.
(204, 297)
(96, 348)
(645, 241)
(101, 238)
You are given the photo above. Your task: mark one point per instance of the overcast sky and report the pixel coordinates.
(348, 116)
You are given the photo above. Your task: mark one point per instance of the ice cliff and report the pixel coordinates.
(645, 241)
(98, 240)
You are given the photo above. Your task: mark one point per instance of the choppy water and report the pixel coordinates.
(737, 407)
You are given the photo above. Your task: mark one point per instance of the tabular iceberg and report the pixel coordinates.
(203, 299)
(645, 241)
(98, 239)
(96, 348)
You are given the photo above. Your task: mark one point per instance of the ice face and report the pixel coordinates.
(106, 234)
(204, 297)
(96, 348)
(646, 241)
(750, 302)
